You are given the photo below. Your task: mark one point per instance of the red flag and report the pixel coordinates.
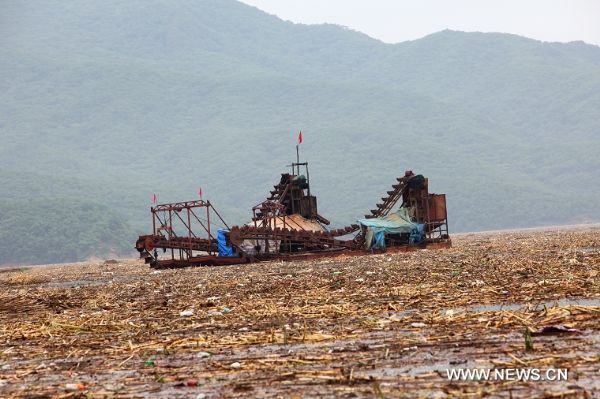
(200, 192)
(154, 198)
(300, 137)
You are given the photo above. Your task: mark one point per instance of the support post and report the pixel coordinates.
(153, 221)
(208, 222)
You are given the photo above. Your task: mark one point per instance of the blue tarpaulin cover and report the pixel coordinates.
(394, 223)
(224, 250)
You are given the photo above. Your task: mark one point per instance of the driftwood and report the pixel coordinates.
(374, 326)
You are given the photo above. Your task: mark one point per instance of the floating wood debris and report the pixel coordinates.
(322, 327)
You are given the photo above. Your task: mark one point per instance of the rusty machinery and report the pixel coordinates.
(286, 226)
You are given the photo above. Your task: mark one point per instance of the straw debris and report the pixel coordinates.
(383, 325)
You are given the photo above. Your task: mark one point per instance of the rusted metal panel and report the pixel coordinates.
(437, 207)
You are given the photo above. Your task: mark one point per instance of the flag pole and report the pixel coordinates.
(298, 152)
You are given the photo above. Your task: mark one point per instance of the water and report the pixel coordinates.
(532, 306)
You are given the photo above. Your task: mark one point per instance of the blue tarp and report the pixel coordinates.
(224, 250)
(395, 223)
(417, 235)
(379, 240)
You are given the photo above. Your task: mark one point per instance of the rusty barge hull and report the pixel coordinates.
(209, 260)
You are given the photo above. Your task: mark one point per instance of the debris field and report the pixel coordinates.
(382, 326)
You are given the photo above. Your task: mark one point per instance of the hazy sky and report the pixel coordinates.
(398, 20)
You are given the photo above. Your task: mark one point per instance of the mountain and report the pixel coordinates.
(104, 103)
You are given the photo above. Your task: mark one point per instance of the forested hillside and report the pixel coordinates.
(104, 103)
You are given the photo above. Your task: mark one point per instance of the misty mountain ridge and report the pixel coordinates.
(106, 103)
